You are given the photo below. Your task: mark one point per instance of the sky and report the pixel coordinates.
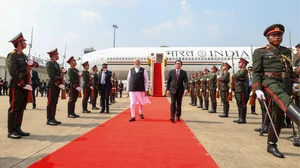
(81, 24)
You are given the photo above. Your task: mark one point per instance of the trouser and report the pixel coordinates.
(52, 96)
(213, 100)
(18, 102)
(94, 98)
(86, 96)
(241, 103)
(73, 95)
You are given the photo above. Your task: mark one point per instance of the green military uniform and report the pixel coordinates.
(213, 80)
(16, 63)
(73, 93)
(205, 89)
(114, 89)
(87, 83)
(240, 92)
(192, 90)
(225, 79)
(54, 74)
(198, 90)
(271, 65)
(95, 86)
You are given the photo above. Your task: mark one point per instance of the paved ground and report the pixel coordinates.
(230, 145)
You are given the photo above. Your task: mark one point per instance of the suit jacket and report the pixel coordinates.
(35, 80)
(177, 86)
(108, 83)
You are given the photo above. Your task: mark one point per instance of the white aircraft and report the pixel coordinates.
(194, 59)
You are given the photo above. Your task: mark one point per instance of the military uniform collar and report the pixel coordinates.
(18, 52)
(269, 46)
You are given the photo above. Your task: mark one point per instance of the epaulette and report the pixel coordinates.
(263, 47)
(13, 52)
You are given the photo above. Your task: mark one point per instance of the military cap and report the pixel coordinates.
(206, 70)
(275, 28)
(52, 52)
(70, 59)
(95, 66)
(226, 64)
(215, 68)
(85, 63)
(17, 39)
(242, 60)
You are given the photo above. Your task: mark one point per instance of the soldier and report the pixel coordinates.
(192, 89)
(54, 86)
(114, 82)
(17, 63)
(95, 86)
(74, 77)
(271, 66)
(240, 90)
(297, 65)
(87, 86)
(205, 89)
(213, 80)
(198, 89)
(225, 79)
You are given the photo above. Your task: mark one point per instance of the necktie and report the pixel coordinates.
(177, 74)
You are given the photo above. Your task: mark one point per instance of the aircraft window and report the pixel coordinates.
(208, 58)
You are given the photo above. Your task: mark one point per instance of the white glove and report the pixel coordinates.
(91, 87)
(218, 76)
(63, 70)
(207, 79)
(296, 87)
(201, 79)
(260, 94)
(63, 87)
(217, 89)
(251, 93)
(78, 88)
(92, 76)
(229, 90)
(28, 87)
(29, 62)
(79, 73)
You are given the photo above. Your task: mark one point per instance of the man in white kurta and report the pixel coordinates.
(137, 87)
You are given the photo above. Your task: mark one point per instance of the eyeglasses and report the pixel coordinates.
(104, 67)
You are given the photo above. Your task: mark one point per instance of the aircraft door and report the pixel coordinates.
(159, 58)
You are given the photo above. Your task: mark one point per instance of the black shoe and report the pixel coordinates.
(132, 119)
(58, 122)
(272, 148)
(20, 132)
(254, 113)
(71, 116)
(173, 120)
(241, 122)
(107, 111)
(86, 111)
(76, 115)
(102, 111)
(223, 115)
(204, 108)
(236, 120)
(178, 118)
(50, 122)
(212, 111)
(142, 116)
(199, 107)
(289, 125)
(95, 108)
(14, 135)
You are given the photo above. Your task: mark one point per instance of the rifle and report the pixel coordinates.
(229, 98)
(219, 88)
(252, 98)
(63, 92)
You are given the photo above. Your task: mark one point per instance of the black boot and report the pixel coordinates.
(19, 124)
(243, 115)
(213, 107)
(293, 112)
(225, 110)
(272, 148)
(240, 114)
(195, 101)
(54, 114)
(11, 125)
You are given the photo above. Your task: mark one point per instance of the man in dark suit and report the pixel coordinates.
(35, 82)
(105, 87)
(177, 85)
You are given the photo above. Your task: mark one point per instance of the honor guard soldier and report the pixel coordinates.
(205, 89)
(198, 90)
(74, 77)
(87, 87)
(95, 86)
(19, 86)
(297, 65)
(54, 86)
(225, 79)
(192, 90)
(114, 82)
(271, 66)
(213, 80)
(240, 90)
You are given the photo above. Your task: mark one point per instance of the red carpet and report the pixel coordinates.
(157, 83)
(152, 143)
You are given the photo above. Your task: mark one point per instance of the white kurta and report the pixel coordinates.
(137, 97)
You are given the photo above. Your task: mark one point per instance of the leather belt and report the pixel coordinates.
(277, 74)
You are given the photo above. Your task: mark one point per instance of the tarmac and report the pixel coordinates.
(231, 145)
